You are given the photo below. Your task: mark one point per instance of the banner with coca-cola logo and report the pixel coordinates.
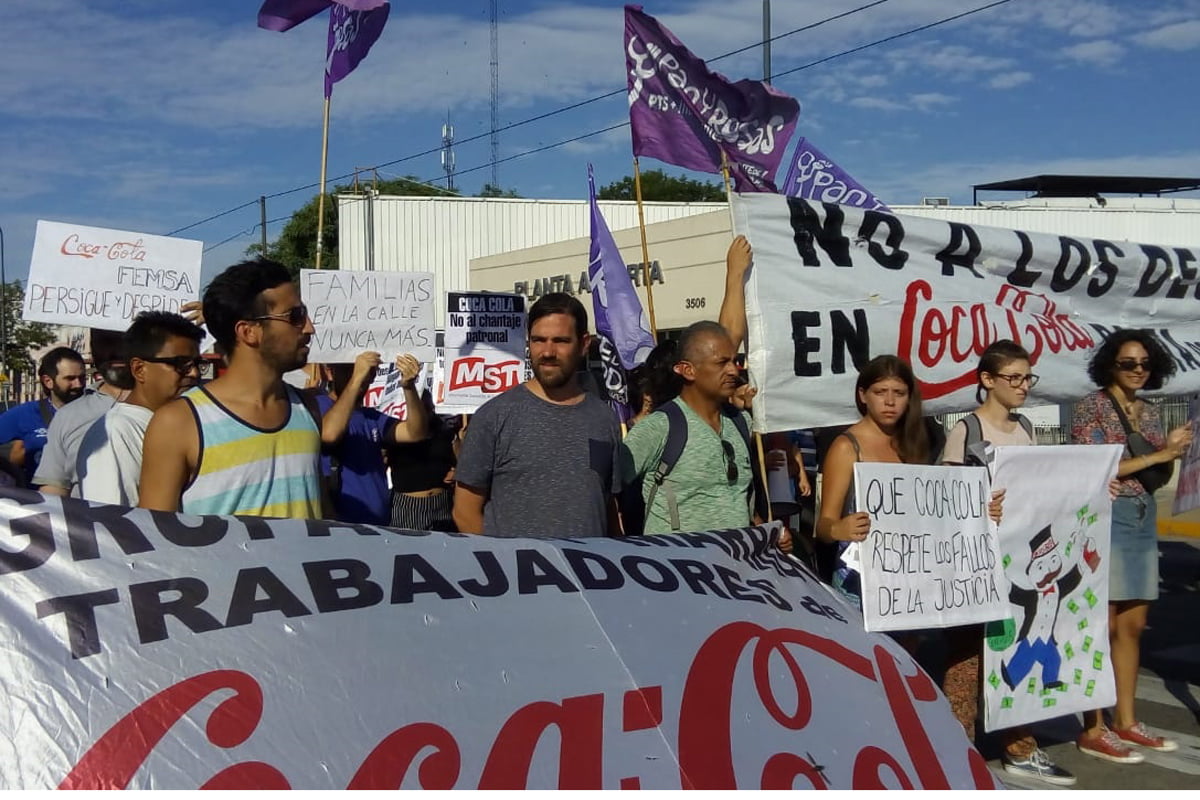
(153, 650)
(833, 286)
(485, 349)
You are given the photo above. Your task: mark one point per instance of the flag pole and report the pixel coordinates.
(637, 189)
(321, 196)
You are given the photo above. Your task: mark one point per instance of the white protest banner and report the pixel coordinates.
(159, 651)
(833, 286)
(389, 312)
(485, 347)
(1187, 488)
(104, 278)
(1050, 657)
(931, 559)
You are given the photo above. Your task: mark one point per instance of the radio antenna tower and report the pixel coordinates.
(448, 152)
(495, 137)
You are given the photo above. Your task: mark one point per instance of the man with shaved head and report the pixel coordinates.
(710, 485)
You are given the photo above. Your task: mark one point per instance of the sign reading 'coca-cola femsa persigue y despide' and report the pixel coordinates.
(152, 650)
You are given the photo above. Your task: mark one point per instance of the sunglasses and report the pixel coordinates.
(1133, 364)
(181, 364)
(1015, 380)
(731, 470)
(295, 316)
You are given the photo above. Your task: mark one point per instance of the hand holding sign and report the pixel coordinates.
(410, 370)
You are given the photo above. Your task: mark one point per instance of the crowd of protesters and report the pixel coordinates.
(548, 458)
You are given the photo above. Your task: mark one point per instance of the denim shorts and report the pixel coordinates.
(1133, 555)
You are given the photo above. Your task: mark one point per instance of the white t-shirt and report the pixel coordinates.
(109, 463)
(956, 439)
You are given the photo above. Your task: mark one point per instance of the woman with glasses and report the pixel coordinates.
(1128, 362)
(891, 431)
(1002, 384)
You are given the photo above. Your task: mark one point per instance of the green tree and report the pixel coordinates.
(489, 190)
(296, 246)
(659, 186)
(20, 337)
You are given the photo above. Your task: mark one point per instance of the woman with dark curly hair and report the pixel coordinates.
(1127, 362)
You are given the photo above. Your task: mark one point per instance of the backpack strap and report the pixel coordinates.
(1027, 424)
(46, 410)
(677, 435)
(758, 492)
(974, 432)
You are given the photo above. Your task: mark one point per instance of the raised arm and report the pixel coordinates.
(337, 419)
(415, 426)
(733, 305)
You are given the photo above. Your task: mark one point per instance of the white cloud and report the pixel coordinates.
(1179, 36)
(1009, 80)
(1100, 53)
(877, 103)
(927, 101)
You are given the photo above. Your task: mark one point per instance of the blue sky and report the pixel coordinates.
(150, 115)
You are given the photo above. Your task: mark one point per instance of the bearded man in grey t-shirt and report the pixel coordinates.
(540, 459)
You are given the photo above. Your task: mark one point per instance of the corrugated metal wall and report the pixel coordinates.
(442, 235)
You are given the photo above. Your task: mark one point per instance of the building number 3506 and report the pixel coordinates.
(694, 302)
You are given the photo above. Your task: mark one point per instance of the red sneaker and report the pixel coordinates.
(1137, 734)
(1108, 745)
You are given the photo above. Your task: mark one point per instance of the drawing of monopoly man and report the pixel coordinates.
(1040, 602)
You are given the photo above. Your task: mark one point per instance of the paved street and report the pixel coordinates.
(1168, 692)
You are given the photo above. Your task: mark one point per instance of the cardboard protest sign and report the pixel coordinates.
(833, 286)
(104, 278)
(931, 559)
(388, 312)
(1050, 657)
(485, 347)
(160, 651)
(1187, 488)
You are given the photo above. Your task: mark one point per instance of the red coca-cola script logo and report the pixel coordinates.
(950, 337)
(707, 723)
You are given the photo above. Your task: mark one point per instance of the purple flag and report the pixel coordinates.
(814, 176)
(615, 304)
(351, 34)
(283, 15)
(685, 115)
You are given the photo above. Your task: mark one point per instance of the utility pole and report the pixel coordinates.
(495, 137)
(766, 14)
(262, 223)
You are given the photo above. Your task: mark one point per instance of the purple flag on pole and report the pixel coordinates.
(685, 115)
(814, 176)
(351, 34)
(616, 306)
(283, 15)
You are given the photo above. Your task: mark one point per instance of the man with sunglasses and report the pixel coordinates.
(163, 353)
(709, 486)
(245, 443)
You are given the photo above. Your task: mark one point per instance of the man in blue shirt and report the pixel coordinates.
(62, 376)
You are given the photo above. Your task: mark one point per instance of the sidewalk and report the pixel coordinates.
(1186, 524)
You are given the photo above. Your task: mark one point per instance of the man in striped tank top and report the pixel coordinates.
(245, 443)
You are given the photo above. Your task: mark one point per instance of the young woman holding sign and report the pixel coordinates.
(891, 432)
(1003, 382)
(1127, 362)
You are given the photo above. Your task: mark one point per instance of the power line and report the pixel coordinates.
(891, 38)
(621, 91)
(529, 120)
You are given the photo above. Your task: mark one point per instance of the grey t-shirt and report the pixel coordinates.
(548, 469)
(66, 431)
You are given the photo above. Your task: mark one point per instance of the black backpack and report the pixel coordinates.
(634, 506)
(977, 452)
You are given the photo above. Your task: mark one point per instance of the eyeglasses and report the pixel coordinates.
(295, 316)
(181, 364)
(731, 470)
(1133, 364)
(1015, 380)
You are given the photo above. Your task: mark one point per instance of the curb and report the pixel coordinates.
(1174, 527)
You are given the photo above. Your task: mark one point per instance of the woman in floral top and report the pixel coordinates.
(1127, 362)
